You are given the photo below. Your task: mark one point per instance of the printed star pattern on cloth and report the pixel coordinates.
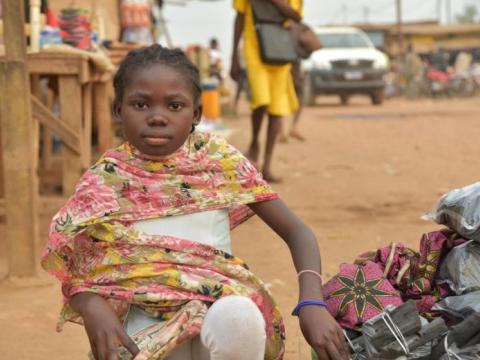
(358, 293)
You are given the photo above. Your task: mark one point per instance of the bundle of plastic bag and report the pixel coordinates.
(461, 268)
(459, 209)
(373, 353)
(400, 333)
(462, 342)
(469, 353)
(458, 308)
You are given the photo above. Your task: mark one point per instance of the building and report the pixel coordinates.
(425, 37)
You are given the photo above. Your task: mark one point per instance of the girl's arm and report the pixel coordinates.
(319, 328)
(287, 10)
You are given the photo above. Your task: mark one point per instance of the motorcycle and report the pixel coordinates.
(463, 84)
(438, 83)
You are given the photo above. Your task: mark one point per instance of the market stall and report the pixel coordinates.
(55, 112)
(56, 82)
(19, 179)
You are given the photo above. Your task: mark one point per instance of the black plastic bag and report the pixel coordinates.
(459, 209)
(470, 353)
(461, 268)
(458, 308)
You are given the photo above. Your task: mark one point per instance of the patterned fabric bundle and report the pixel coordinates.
(93, 246)
(414, 274)
(389, 276)
(358, 293)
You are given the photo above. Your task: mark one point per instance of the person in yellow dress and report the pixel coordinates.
(272, 92)
(271, 86)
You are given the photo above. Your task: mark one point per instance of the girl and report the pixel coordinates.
(143, 247)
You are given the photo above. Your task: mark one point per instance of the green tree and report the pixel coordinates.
(468, 16)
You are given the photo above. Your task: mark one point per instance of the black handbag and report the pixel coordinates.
(276, 43)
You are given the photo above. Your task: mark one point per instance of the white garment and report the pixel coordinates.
(207, 227)
(216, 57)
(234, 328)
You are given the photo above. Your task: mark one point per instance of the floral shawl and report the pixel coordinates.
(94, 247)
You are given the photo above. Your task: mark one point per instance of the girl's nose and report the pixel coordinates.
(157, 119)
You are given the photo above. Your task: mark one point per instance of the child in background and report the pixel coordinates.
(143, 246)
(216, 61)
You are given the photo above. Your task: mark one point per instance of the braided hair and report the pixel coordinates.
(156, 54)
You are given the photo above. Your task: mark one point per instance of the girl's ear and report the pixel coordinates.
(116, 110)
(197, 114)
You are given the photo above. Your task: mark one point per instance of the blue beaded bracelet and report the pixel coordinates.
(307, 302)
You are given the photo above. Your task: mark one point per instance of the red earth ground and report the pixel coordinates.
(362, 179)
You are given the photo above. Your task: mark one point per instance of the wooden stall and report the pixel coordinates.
(18, 151)
(82, 95)
(76, 101)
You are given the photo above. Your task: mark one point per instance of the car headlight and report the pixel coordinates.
(322, 64)
(380, 63)
(306, 65)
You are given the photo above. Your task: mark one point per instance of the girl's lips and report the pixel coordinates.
(156, 141)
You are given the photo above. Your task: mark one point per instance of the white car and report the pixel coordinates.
(347, 64)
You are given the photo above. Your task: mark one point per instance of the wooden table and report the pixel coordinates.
(82, 97)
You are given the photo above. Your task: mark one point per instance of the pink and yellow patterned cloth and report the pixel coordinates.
(390, 276)
(358, 293)
(93, 246)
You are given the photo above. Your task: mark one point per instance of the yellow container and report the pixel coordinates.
(211, 103)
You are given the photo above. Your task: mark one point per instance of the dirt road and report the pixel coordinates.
(362, 179)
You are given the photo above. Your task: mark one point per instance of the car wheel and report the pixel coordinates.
(344, 99)
(308, 94)
(377, 97)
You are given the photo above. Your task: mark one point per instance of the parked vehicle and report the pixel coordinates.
(475, 74)
(437, 83)
(347, 64)
(463, 84)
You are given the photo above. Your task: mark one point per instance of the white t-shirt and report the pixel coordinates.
(206, 227)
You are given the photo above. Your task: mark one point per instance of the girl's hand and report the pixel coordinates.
(323, 333)
(104, 329)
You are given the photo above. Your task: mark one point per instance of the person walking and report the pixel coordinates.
(298, 81)
(271, 86)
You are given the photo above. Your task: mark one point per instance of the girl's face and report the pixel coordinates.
(158, 110)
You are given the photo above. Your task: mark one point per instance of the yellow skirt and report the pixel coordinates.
(272, 86)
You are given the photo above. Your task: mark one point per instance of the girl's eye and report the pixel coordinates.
(140, 105)
(176, 106)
